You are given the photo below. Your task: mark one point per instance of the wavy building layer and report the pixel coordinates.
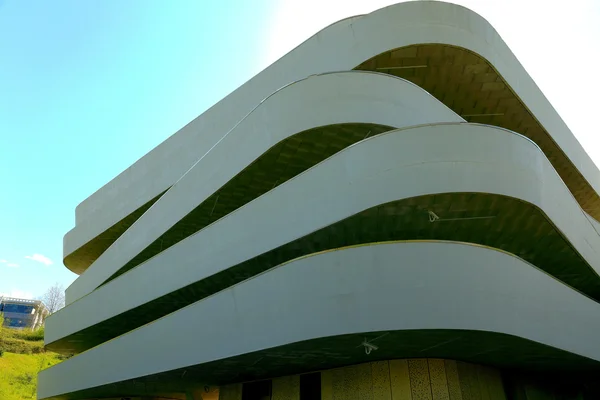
(392, 210)
(448, 49)
(281, 137)
(409, 173)
(339, 298)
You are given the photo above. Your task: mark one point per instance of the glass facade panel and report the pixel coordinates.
(18, 323)
(17, 308)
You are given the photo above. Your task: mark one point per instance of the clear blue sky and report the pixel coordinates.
(87, 87)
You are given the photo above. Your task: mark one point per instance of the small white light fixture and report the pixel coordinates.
(369, 347)
(433, 216)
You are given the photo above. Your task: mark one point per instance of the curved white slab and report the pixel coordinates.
(341, 46)
(386, 287)
(355, 96)
(400, 164)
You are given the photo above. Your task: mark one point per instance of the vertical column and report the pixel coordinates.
(380, 373)
(469, 384)
(201, 394)
(437, 376)
(400, 380)
(453, 380)
(494, 383)
(286, 388)
(483, 383)
(327, 385)
(420, 384)
(231, 392)
(36, 319)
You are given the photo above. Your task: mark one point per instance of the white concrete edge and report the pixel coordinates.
(400, 164)
(171, 144)
(341, 46)
(594, 222)
(334, 91)
(344, 97)
(385, 287)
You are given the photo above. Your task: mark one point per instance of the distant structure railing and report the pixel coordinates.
(14, 300)
(23, 313)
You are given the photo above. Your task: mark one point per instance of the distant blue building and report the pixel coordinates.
(22, 313)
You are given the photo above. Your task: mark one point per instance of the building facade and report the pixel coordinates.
(22, 313)
(393, 210)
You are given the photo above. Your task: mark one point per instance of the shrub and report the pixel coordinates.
(33, 336)
(18, 346)
(25, 379)
(7, 333)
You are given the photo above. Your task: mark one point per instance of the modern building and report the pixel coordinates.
(22, 313)
(393, 210)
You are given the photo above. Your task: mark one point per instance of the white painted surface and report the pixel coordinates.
(335, 98)
(400, 164)
(402, 286)
(341, 46)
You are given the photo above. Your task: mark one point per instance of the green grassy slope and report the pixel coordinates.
(21, 358)
(18, 374)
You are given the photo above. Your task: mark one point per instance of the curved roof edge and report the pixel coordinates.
(356, 38)
(336, 97)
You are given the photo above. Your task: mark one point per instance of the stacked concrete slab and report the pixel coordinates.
(392, 210)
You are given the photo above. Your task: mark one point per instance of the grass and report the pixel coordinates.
(22, 357)
(18, 374)
(22, 341)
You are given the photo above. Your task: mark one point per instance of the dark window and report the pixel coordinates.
(260, 390)
(17, 308)
(17, 323)
(310, 386)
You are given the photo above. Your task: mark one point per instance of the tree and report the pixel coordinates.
(54, 298)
